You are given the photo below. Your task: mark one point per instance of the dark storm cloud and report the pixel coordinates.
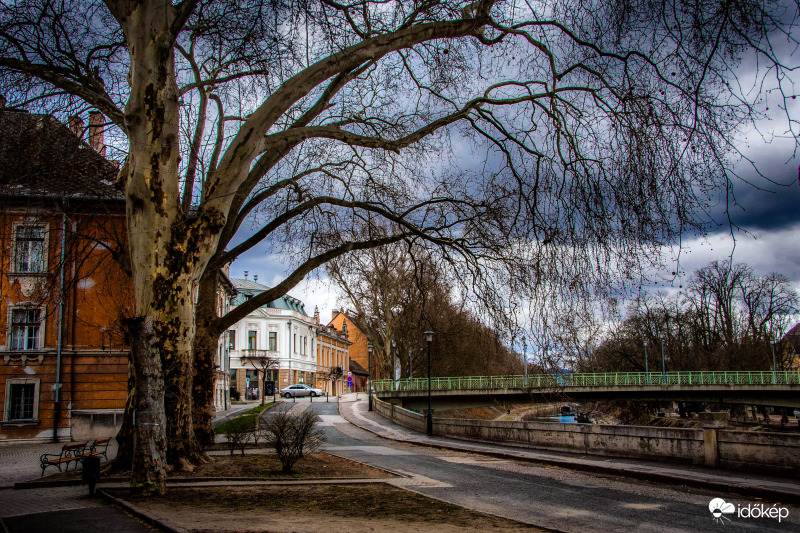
(764, 206)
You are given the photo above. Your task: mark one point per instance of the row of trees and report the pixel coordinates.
(726, 318)
(529, 145)
(396, 292)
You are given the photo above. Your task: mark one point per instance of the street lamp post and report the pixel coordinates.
(525, 361)
(394, 363)
(774, 366)
(663, 362)
(369, 349)
(429, 415)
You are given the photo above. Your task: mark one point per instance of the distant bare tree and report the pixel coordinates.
(727, 319)
(396, 293)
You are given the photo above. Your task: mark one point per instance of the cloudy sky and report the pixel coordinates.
(768, 238)
(766, 218)
(762, 229)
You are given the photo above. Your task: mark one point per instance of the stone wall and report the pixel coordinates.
(404, 417)
(661, 444)
(777, 453)
(90, 424)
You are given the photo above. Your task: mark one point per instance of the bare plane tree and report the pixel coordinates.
(396, 292)
(529, 145)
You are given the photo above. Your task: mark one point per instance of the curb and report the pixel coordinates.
(386, 470)
(742, 490)
(139, 513)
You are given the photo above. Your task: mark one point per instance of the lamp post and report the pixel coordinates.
(394, 363)
(429, 415)
(646, 368)
(663, 362)
(525, 361)
(774, 366)
(369, 349)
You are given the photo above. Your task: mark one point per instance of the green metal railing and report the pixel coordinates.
(607, 379)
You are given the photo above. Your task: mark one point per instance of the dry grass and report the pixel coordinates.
(377, 506)
(316, 465)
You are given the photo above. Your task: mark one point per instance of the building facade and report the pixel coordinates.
(333, 358)
(64, 286)
(222, 363)
(278, 339)
(358, 354)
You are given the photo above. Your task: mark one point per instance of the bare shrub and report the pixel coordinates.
(292, 436)
(238, 431)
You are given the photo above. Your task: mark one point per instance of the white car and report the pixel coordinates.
(300, 390)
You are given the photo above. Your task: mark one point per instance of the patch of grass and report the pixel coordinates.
(249, 414)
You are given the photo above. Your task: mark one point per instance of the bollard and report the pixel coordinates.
(91, 472)
(311, 398)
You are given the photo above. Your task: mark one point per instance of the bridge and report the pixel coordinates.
(768, 388)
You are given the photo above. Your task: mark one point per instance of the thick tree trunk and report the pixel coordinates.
(176, 336)
(162, 263)
(124, 458)
(148, 469)
(205, 348)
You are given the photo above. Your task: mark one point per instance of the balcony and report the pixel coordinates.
(256, 354)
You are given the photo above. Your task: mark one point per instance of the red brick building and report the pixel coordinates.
(64, 286)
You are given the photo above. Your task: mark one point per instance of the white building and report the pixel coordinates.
(279, 336)
(222, 383)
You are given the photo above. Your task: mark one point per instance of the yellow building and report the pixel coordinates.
(359, 354)
(333, 358)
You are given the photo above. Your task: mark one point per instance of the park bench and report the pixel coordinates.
(69, 453)
(98, 448)
(75, 453)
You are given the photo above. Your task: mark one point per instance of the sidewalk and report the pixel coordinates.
(784, 490)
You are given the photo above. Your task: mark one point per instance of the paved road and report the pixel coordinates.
(550, 497)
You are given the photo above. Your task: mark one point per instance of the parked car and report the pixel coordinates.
(301, 390)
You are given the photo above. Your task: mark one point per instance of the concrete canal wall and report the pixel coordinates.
(777, 453)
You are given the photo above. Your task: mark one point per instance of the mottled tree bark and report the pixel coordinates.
(164, 250)
(124, 458)
(205, 348)
(148, 468)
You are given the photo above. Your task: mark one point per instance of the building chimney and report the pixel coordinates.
(255, 277)
(344, 330)
(245, 274)
(316, 314)
(96, 138)
(76, 125)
